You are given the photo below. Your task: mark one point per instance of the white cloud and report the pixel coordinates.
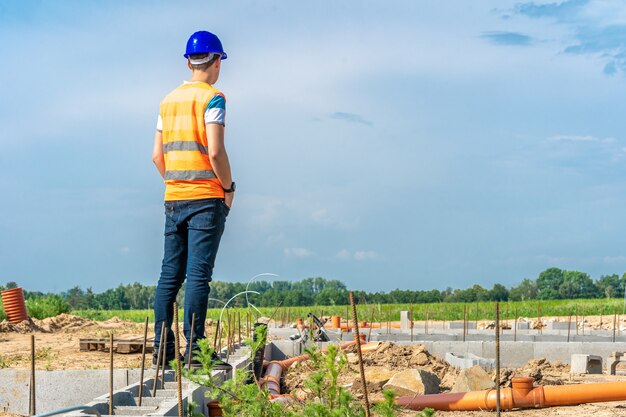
(344, 255)
(366, 255)
(581, 139)
(298, 252)
(359, 256)
(325, 218)
(614, 259)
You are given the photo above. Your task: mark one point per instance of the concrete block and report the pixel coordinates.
(586, 364)
(470, 360)
(405, 322)
(471, 325)
(562, 325)
(523, 325)
(612, 361)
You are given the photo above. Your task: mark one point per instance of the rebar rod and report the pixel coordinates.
(411, 321)
(111, 375)
(576, 319)
(219, 341)
(217, 331)
(358, 348)
(614, 323)
(143, 359)
(569, 326)
(33, 404)
(464, 321)
(228, 336)
(369, 333)
(164, 355)
(540, 327)
(498, 359)
(179, 377)
(190, 341)
(426, 322)
(158, 361)
(239, 325)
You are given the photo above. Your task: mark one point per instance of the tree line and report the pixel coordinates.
(551, 284)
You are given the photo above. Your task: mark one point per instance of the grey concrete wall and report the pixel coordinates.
(83, 385)
(516, 354)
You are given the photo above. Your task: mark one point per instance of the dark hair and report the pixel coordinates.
(202, 67)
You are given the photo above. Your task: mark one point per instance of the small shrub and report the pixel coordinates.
(3, 315)
(4, 362)
(48, 306)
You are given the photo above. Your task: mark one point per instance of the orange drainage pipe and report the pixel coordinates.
(14, 305)
(522, 394)
(275, 369)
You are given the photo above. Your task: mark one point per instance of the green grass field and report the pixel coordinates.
(384, 312)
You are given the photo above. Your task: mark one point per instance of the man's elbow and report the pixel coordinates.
(216, 154)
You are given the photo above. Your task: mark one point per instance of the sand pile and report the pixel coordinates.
(26, 326)
(543, 371)
(59, 323)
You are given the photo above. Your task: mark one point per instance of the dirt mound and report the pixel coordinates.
(380, 364)
(63, 322)
(49, 325)
(401, 357)
(543, 371)
(26, 326)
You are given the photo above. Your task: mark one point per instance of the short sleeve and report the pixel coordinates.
(216, 110)
(159, 124)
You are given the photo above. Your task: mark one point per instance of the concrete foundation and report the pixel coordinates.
(61, 389)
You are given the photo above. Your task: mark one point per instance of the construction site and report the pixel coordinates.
(548, 366)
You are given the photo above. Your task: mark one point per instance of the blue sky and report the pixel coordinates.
(410, 144)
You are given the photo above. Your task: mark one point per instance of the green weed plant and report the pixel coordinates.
(238, 398)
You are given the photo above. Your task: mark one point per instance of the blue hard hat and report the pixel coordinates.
(204, 42)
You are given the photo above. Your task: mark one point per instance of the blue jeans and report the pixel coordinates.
(193, 229)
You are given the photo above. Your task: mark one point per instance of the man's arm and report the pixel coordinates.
(219, 157)
(157, 153)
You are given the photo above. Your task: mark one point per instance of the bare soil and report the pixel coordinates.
(57, 343)
(57, 347)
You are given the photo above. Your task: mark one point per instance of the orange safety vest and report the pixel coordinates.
(188, 171)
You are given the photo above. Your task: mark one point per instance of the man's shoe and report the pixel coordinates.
(195, 364)
(167, 362)
(219, 364)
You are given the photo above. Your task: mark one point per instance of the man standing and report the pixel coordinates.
(189, 154)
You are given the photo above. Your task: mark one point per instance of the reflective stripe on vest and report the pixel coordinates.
(185, 145)
(188, 171)
(189, 175)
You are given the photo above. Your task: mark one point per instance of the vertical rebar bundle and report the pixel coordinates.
(358, 345)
